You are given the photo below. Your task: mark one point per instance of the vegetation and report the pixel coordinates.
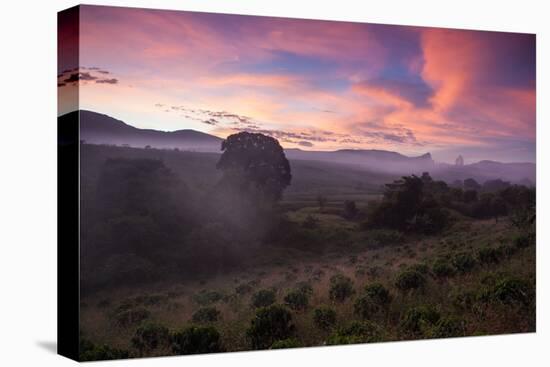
(350, 262)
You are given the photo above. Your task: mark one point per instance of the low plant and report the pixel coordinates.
(341, 288)
(263, 298)
(197, 339)
(206, 314)
(269, 325)
(324, 317)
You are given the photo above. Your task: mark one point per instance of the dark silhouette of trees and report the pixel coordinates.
(471, 184)
(350, 210)
(252, 161)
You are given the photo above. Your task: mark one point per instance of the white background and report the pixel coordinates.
(28, 182)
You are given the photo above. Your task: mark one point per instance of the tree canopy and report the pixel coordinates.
(253, 160)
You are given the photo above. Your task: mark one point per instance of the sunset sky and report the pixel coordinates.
(314, 85)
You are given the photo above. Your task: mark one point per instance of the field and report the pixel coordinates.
(348, 284)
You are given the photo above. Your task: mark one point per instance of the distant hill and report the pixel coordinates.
(374, 160)
(96, 128)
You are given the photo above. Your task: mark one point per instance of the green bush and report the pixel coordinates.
(270, 324)
(489, 255)
(410, 280)
(418, 321)
(365, 307)
(513, 291)
(88, 351)
(357, 332)
(126, 315)
(442, 269)
(243, 288)
(324, 317)
(341, 288)
(464, 262)
(523, 240)
(286, 343)
(385, 237)
(149, 337)
(263, 298)
(196, 339)
(448, 327)
(378, 293)
(297, 300)
(421, 268)
(206, 314)
(305, 287)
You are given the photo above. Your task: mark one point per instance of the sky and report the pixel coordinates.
(313, 85)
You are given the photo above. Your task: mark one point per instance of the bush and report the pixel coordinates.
(410, 280)
(149, 337)
(205, 297)
(357, 332)
(263, 298)
(127, 315)
(305, 287)
(365, 307)
(286, 343)
(464, 301)
(297, 300)
(244, 288)
(513, 291)
(421, 268)
(341, 288)
(418, 321)
(196, 339)
(442, 269)
(324, 317)
(378, 293)
(464, 262)
(448, 327)
(489, 255)
(523, 240)
(270, 324)
(88, 351)
(508, 250)
(385, 237)
(206, 314)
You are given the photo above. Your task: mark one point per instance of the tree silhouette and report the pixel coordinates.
(252, 160)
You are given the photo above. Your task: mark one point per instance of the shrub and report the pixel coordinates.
(125, 316)
(442, 269)
(523, 240)
(286, 343)
(305, 287)
(270, 324)
(464, 301)
(196, 339)
(448, 327)
(206, 314)
(421, 268)
(341, 288)
(149, 337)
(88, 351)
(417, 321)
(410, 280)
(365, 307)
(205, 297)
(464, 262)
(324, 317)
(356, 332)
(263, 298)
(508, 250)
(378, 293)
(513, 291)
(297, 300)
(488, 255)
(244, 288)
(385, 237)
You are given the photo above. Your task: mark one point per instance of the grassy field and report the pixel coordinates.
(475, 278)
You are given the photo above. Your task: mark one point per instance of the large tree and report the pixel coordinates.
(252, 160)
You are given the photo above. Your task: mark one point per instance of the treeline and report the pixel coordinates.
(424, 205)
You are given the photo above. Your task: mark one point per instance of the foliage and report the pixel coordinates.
(350, 210)
(196, 339)
(205, 297)
(206, 314)
(357, 332)
(263, 298)
(489, 255)
(253, 160)
(310, 222)
(448, 327)
(88, 351)
(324, 317)
(128, 315)
(149, 337)
(286, 343)
(463, 262)
(270, 324)
(410, 280)
(417, 321)
(297, 299)
(341, 288)
(442, 268)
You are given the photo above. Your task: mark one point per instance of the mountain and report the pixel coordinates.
(375, 160)
(96, 128)
(520, 173)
